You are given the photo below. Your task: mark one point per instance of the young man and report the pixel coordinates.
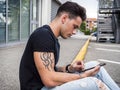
(38, 69)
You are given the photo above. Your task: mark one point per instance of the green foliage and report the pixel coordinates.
(94, 29)
(87, 32)
(83, 27)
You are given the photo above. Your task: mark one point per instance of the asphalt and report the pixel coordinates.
(106, 52)
(10, 58)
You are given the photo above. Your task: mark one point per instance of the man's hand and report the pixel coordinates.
(76, 66)
(79, 66)
(91, 72)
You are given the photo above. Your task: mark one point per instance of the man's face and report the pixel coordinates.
(70, 26)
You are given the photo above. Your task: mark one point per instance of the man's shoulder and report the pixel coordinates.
(42, 34)
(43, 31)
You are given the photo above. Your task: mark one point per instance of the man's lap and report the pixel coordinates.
(88, 83)
(81, 84)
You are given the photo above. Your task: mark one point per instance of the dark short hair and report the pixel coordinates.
(73, 9)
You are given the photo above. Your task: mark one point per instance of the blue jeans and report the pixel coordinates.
(88, 83)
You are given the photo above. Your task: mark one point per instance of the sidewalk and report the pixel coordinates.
(10, 59)
(9, 67)
(104, 52)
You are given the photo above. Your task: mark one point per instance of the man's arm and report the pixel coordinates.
(61, 68)
(44, 62)
(71, 68)
(68, 68)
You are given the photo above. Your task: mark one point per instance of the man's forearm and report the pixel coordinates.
(61, 69)
(59, 78)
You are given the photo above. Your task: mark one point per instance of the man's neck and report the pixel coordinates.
(55, 27)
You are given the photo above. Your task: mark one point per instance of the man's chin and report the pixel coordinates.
(66, 37)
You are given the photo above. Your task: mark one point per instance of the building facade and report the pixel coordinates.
(91, 23)
(109, 20)
(19, 18)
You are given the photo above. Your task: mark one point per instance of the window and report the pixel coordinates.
(25, 19)
(2, 21)
(13, 20)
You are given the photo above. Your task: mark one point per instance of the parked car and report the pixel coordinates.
(94, 34)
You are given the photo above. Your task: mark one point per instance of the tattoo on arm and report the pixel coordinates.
(47, 60)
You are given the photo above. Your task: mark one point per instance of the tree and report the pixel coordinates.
(83, 27)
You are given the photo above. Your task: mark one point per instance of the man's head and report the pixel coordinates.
(69, 16)
(73, 9)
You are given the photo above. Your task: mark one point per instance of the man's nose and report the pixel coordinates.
(74, 31)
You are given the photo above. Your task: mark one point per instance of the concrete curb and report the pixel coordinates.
(82, 52)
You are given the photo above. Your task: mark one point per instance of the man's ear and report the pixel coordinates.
(64, 18)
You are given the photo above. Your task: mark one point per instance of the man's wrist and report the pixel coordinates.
(68, 69)
(82, 75)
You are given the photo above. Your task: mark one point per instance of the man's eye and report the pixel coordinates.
(75, 27)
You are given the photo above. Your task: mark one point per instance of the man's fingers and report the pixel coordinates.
(97, 68)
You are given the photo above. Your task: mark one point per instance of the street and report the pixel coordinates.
(108, 53)
(104, 52)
